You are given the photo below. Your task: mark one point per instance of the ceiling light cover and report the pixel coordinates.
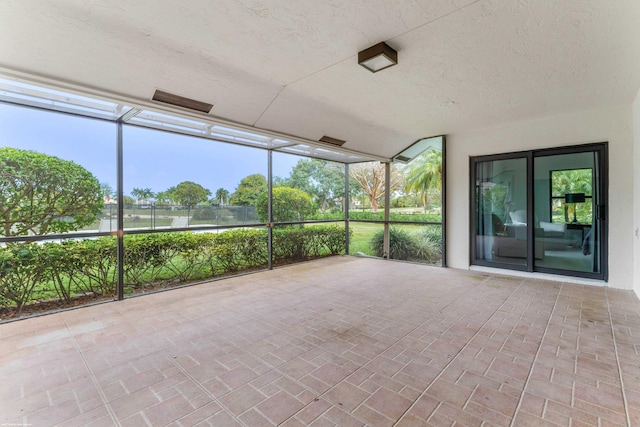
(378, 57)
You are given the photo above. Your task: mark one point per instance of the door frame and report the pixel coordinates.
(601, 179)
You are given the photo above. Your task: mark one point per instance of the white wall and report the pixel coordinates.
(636, 192)
(612, 124)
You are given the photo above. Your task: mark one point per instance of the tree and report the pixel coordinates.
(166, 196)
(248, 190)
(189, 193)
(106, 190)
(423, 174)
(321, 179)
(142, 194)
(45, 194)
(136, 192)
(370, 178)
(222, 195)
(287, 204)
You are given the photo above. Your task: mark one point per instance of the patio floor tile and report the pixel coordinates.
(340, 341)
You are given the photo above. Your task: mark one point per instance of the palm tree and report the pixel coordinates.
(222, 195)
(572, 181)
(106, 191)
(142, 194)
(424, 173)
(167, 196)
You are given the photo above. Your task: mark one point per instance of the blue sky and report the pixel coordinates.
(152, 159)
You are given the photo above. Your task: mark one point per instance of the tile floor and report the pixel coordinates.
(342, 341)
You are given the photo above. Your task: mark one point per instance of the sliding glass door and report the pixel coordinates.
(500, 214)
(567, 195)
(541, 211)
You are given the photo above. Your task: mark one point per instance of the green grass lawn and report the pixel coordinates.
(362, 234)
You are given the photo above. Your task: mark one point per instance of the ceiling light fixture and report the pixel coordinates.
(378, 57)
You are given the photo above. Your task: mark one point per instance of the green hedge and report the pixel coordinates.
(378, 216)
(22, 267)
(298, 243)
(31, 272)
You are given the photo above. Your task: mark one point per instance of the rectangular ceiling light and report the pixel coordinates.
(332, 141)
(181, 101)
(378, 57)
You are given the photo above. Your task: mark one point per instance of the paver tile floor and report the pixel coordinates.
(343, 341)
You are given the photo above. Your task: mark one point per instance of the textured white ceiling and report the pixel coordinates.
(291, 66)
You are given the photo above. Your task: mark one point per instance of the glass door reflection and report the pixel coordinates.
(566, 193)
(501, 212)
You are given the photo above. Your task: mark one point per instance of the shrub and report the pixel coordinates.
(334, 239)
(22, 266)
(81, 267)
(393, 216)
(180, 252)
(366, 215)
(336, 214)
(291, 243)
(146, 254)
(401, 244)
(296, 243)
(98, 268)
(237, 250)
(64, 262)
(429, 245)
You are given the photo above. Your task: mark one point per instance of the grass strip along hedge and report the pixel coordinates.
(62, 271)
